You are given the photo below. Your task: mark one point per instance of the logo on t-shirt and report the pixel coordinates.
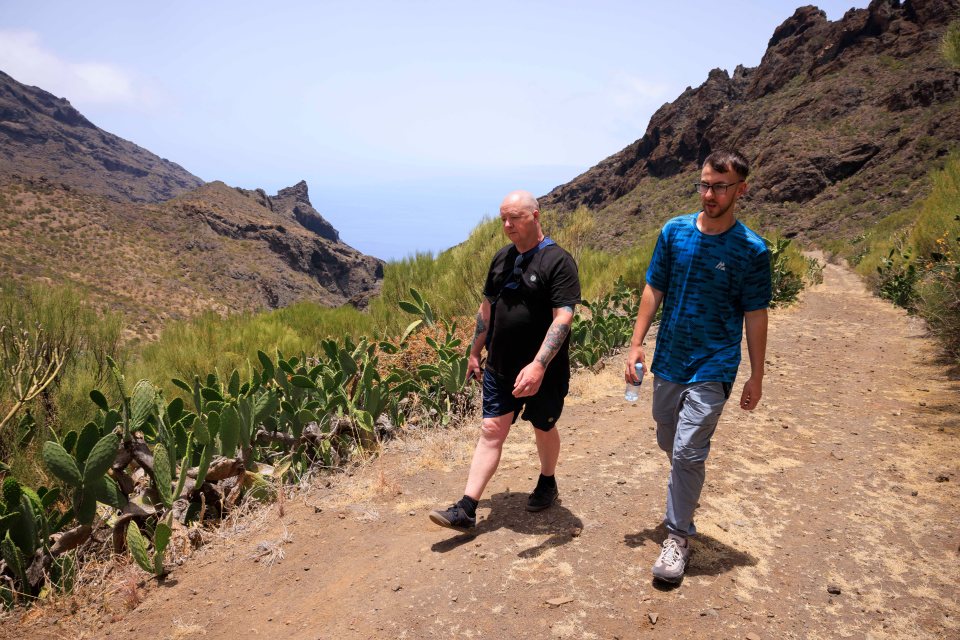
(721, 266)
(533, 278)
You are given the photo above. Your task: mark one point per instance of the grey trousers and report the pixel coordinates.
(686, 417)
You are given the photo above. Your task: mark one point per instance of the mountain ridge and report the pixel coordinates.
(45, 136)
(830, 105)
(140, 234)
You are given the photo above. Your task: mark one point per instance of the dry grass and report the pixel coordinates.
(428, 449)
(269, 552)
(183, 631)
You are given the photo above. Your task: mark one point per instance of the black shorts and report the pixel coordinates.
(541, 410)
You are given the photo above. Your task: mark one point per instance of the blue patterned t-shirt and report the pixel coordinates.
(708, 282)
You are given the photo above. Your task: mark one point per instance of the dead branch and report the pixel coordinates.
(70, 539)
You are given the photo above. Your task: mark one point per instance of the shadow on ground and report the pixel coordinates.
(710, 556)
(509, 510)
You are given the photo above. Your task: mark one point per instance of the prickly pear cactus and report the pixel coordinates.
(61, 464)
(142, 403)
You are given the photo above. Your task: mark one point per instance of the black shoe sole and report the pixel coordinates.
(535, 508)
(438, 519)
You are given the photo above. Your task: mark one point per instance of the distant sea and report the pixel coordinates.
(395, 219)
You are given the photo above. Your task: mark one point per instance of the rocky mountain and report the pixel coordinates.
(842, 122)
(214, 248)
(286, 229)
(42, 135)
(294, 204)
(141, 234)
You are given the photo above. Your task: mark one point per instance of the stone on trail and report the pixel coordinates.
(833, 589)
(556, 602)
(653, 618)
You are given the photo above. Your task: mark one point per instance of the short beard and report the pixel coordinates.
(722, 212)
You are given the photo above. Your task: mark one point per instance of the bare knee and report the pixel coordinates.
(494, 431)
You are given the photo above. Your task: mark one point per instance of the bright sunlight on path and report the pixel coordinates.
(831, 511)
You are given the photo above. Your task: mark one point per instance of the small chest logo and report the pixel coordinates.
(533, 278)
(721, 266)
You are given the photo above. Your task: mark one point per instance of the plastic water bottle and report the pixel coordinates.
(632, 392)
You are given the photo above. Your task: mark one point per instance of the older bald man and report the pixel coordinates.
(524, 321)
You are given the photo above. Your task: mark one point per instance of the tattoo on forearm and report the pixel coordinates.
(481, 328)
(556, 334)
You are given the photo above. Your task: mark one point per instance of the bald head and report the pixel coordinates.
(521, 199)
(520, 214)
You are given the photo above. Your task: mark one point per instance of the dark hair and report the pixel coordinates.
(724, 161)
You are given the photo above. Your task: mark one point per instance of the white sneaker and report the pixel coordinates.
(672, 562)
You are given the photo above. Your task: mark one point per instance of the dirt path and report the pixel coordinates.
(846, 476)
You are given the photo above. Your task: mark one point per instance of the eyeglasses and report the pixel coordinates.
(517, 274)
(719, 189)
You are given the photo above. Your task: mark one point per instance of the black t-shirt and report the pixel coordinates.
(524, 314)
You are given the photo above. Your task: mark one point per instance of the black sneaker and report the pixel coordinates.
(454, 517)
(542, 497)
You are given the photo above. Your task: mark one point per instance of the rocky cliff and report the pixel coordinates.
(287, 228)
(841, 121)
(44, 136)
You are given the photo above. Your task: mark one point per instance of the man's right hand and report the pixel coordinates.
(474, 370)
(634, 355)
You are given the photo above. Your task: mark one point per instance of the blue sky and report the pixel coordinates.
(409, 120)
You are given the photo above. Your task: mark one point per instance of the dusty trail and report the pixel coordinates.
(846, 476)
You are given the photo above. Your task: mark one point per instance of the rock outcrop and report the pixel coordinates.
(289, 228)
(294, 203)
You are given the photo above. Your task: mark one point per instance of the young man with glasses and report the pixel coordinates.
(524, 322)
(712, 276)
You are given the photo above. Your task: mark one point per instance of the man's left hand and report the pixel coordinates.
(750, 398)
(528, 382)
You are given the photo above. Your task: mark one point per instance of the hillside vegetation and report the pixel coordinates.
(844, 123)
(212, 249)
(913, 259)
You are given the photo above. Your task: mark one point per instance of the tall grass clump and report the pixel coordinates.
(50, 335)
(950, 46)
(598, 268)
(936, 242)
(211, 342)
(452, 281)
(918, 268)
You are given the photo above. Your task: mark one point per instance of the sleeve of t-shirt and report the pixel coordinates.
(757, 287)
(658, 272)
(565, 283)
(489, 288)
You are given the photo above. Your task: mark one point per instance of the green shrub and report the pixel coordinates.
(936, 242)
(898, 278)
(950, 47)
(918, 266)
